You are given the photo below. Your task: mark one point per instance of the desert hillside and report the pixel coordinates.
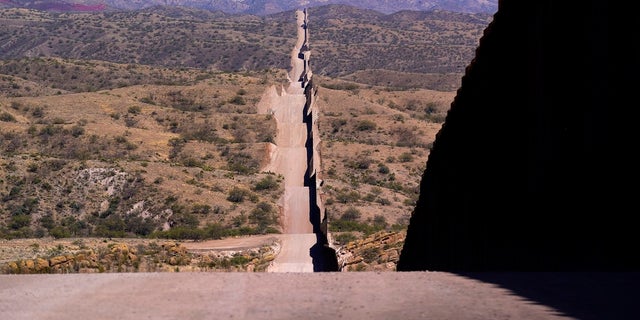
(127, 147)
(190, 153)
(407, 49)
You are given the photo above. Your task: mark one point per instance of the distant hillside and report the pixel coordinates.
(356, 44)
(260, 7)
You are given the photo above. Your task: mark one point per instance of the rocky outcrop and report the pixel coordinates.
(377, 252)
(153, 257)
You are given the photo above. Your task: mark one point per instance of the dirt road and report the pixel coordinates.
(289, 158)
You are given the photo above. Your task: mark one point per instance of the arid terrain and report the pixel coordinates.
(136, 177)
(132, 145)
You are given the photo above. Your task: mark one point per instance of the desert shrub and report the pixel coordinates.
(238, 100)
(383, 169)
(365, 125)
(338, 123)
(412, 105)
(263, 216)
(242, 162)
(7, 117)
(369, 197)
(437, 117)
(361, 163)
(148, 100)
(406, 137)
(199, 131)
(59, 232)
(138, 225)
(134, 110)
(237, 194)
(346, 196)
(58, 120)
(380, 221)
(351, 214)
(130, 122)
(46, 221)
(266, 183)
(431, 107)
(77, 131)
(405, 157)
(398, 117)
(193, 162)
(345, 237)
(19, 221)
(201, 209)
(176, 144)
(112, 226)
(352, 226)
(37, 112)
(239, 259)
(370, 254)
(180, 233)
(215, 231)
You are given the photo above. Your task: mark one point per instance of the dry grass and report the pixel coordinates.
(191, 143)
(182, 148)
(384, 164)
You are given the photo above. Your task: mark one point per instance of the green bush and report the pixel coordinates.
(345, 226)
(345, 196)
(365, 125)
(263, 216)
(370, 254)
(238, 100)
(266, 183)
(19, 221)
(351, 214)
(344, 238)
(134, 110)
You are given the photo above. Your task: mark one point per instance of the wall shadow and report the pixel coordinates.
(525, 173)
(579, 295)
(324, 257)
(522, 187)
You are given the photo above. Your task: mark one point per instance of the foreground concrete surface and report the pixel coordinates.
(357, 295)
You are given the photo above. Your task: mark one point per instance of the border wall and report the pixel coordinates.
(313, 177)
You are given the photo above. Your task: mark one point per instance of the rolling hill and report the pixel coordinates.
(260, 7)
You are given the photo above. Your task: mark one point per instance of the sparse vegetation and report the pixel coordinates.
(386, 54)
(131, 255)
(172, 146)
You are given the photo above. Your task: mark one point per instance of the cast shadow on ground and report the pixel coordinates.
(579, 295)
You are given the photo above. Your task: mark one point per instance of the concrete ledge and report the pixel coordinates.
(365, 295)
